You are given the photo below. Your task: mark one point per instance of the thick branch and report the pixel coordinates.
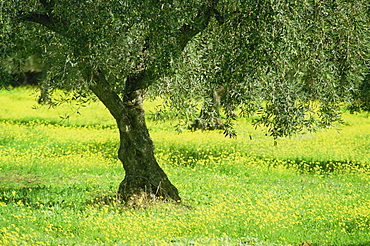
(138, 81)
(103, 90)
(52, 23)
(48, 5)
(49, 20)
(200, 22)
(145, 77)
(220, 18)
(42, 19)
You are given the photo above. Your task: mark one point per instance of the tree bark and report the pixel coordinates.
(144, 178)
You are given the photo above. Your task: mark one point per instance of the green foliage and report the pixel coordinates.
(272, 57)
(58, 184)
(285, 54)
(362, 97)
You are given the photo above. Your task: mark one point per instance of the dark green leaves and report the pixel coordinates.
(288, 62)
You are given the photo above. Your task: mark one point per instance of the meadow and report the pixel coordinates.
(59, 173)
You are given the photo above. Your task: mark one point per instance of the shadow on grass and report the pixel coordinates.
(46, 196)
(72, 197)
(355, 244)
(191, 156)
(34, 121)
(323, 167)
(361, 244)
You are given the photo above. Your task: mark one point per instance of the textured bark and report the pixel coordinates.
(144, 178)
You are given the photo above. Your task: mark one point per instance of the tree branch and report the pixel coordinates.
(103, 90)
(42, 19)
(48, 5)
(145, 77)
(200, 22)
(53, 23)
(220, 18)
(100, 87)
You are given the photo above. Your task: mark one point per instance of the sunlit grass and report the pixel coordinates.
(67, 114)
(58, 181)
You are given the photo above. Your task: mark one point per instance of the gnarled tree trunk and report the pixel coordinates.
(144, 178)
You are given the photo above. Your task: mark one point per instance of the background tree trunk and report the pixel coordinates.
(209, 117)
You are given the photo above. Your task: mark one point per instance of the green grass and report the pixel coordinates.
(57, 179)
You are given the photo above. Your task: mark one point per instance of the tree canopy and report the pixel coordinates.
(290, 62)
(274, 57)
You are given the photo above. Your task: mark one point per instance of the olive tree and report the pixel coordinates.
(291, 62)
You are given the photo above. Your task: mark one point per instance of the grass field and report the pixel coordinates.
(57, 178)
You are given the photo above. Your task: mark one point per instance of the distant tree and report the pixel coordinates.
(361, 97)
(291, 62)
(28, 72)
